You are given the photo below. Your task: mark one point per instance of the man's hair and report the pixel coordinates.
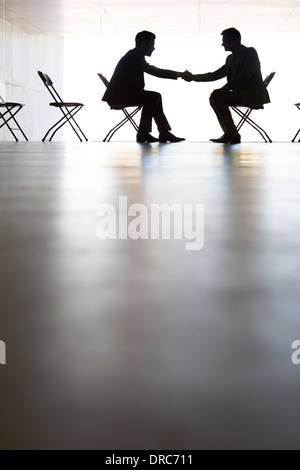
(143, 36)
(232, 33)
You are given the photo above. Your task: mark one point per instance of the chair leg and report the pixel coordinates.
(259, 129)
(68, 116)
(19, 128)
(5, 122)
(296, 136)
(128, 118)
(297, 106)
(130, 115)
(114, 129)
(245, 118)
(12, 114)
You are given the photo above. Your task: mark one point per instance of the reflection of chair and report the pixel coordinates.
(117, 105)
(8, 110)
(298, 106)
(68, 110)
(244, 115)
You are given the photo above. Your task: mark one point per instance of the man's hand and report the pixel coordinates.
(186, 75)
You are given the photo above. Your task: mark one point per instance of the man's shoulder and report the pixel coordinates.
(128, 54)
(248, 50)
(133, 55)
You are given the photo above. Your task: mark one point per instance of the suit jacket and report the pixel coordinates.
(128, 78)
(243, 73)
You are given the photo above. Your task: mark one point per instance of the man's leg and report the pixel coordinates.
(220, 103)
(152, 108)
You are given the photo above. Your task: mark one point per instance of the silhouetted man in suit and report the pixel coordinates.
(127, 84)
(244, 87)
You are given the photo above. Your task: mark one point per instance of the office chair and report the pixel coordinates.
(8, 111)
(298, 106)
(68, 109)
(244, 115)
(118, 106)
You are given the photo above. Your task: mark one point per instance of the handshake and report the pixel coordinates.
(187, 76)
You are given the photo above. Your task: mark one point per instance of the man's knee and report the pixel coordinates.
(225, 98)
(153, 97)
(217, 98)
(151, 100)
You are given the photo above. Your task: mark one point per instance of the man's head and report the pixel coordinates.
(144, 41)
(231, 39)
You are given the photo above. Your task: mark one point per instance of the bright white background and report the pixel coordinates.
(186, 104)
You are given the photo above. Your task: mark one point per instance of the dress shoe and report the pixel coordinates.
(228, 139)
(169, 137)
(145, 138)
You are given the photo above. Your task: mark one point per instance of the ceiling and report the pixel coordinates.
(180, 18)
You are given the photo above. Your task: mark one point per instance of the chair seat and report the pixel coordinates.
(121, 106)
(64, 105)
(255, 106)
(10, 103)
(116, 106)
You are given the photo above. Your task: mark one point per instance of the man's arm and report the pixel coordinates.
(161, 73)
(209, 77)
(165, 73)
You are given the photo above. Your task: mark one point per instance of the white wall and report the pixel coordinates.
(22, 55)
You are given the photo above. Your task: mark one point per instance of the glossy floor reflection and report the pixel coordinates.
(141, 344)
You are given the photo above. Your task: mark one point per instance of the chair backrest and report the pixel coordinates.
(114, 103)
(104, 80)
(50, 87)
(45, 78)
(268, 78)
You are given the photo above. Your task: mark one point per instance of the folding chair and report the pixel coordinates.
(68, 109)
(8, 111)
(298, 106)
(118, 106)
(245, 115)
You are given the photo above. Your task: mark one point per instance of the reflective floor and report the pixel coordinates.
(144, 344)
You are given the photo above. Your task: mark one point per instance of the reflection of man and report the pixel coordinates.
(244, 87)
(127, 84)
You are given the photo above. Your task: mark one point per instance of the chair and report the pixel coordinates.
(118, 106)
(68, 109)
(298, 106)
(8, 111)
(244, 115)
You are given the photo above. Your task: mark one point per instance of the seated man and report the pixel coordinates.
(127, 84)
(244, 87)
